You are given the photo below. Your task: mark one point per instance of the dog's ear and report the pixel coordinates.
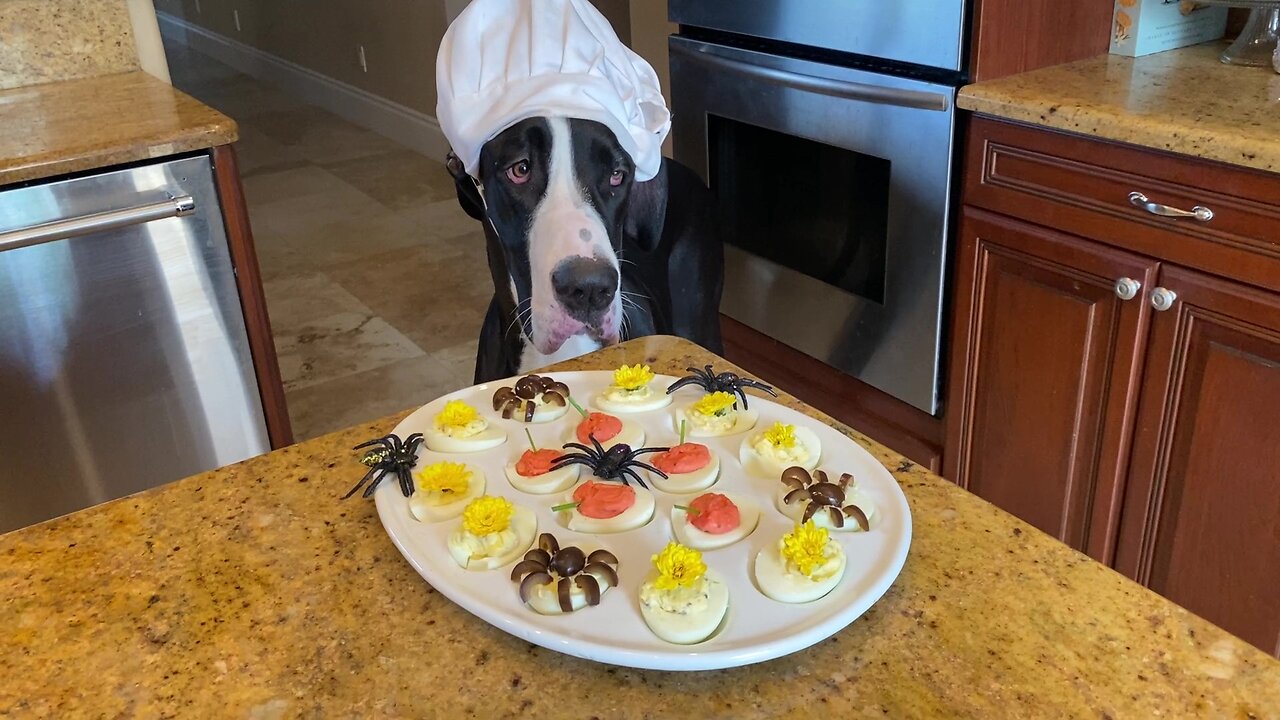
(468, 196)
(647, 211)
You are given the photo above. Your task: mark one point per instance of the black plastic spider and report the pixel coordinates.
(391, 455)
(616, 463)
(728, 382)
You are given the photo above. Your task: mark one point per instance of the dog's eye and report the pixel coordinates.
(617, 177)
(518, 173)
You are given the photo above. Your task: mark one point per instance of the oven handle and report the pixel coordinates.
(822, 86)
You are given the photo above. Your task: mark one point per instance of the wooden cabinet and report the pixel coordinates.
(1040, 395)
(1142, 431)
(1202, 512)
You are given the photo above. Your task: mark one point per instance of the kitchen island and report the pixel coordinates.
(253, 591)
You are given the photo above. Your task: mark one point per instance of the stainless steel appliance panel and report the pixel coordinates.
(124, 361)
(926, 32)
(890, 341)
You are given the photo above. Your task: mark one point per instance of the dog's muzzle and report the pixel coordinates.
(586, 292)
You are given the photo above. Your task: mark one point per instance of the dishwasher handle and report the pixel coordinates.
(174, 206)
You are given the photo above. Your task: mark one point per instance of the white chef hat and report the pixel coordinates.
(503, 61)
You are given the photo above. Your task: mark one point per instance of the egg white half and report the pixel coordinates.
(546, 483)
(657, 400)
(525, 525)
(679, 483)
(746, 420)
(490, 437)
(631, 434)
(690, 536)
(777, 583)
(690, 628)
(544, 413)
(767, 467)
(822, 518)
(640, 512)
(426, 512)
(544, 599)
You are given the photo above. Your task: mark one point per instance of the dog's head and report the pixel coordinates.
(556, 192)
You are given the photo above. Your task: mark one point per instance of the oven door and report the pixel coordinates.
(926, 32)
(833, 187)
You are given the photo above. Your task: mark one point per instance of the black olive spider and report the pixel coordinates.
(616, 463)
(390, 455)
(728, 382)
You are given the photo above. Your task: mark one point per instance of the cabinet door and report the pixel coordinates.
(1045, 361)
(1201, 521)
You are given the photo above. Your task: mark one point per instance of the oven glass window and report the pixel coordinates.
(817, 209)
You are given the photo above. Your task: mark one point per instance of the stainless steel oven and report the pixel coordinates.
(832, 171)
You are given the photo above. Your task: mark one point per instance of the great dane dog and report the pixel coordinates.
(583, 256)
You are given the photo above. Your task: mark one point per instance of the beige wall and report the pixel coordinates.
(400, 38)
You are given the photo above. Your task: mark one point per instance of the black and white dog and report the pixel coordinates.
(581, 255)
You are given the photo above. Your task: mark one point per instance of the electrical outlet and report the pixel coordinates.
(236, 15)
(364, 64)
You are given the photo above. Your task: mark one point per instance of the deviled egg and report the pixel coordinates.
(494, 531)
(533, 399)
(781, 446)
(838, 506)
(608, 430)
(683, 601)
(535, 472)
(555, 580)
(714, 520)
(443, 489)
(716, 414)
(631, 392)
(599, 507)
(459, 428)
(804, 565)
(690, 467)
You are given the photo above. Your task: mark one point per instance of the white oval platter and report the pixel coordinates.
(756, 627)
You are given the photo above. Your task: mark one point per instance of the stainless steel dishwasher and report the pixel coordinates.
(124, 361)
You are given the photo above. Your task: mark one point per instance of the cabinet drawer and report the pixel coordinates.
(1083, 186)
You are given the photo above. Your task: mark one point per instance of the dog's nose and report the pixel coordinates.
(585, 286)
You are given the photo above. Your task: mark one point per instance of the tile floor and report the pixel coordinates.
(375, 279)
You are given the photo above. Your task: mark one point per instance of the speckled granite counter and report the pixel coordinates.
(252, 591)
(1182, 101)
(73, 125)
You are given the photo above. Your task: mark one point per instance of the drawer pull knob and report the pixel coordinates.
(1162, 299)
(1127, 288)
(1199, 212)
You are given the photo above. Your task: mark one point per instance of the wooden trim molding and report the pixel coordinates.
(235, 216)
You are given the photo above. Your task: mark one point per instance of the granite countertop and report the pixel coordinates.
(253, 591)
(73, 125)
(1183, 101)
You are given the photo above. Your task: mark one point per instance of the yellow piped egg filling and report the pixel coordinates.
(716, 414)
(442, 489)
(493, 532)
(683, 602)
(631, 391)
(803, 566)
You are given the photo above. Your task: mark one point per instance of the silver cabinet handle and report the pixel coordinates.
(175, 206)
(1162, 299)
(1127, 288)
(1199, 212)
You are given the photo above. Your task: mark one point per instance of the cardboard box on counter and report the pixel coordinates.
(1142, 27)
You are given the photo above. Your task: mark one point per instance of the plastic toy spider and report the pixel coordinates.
(728, 382)
(388, 455)
(616, 463)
